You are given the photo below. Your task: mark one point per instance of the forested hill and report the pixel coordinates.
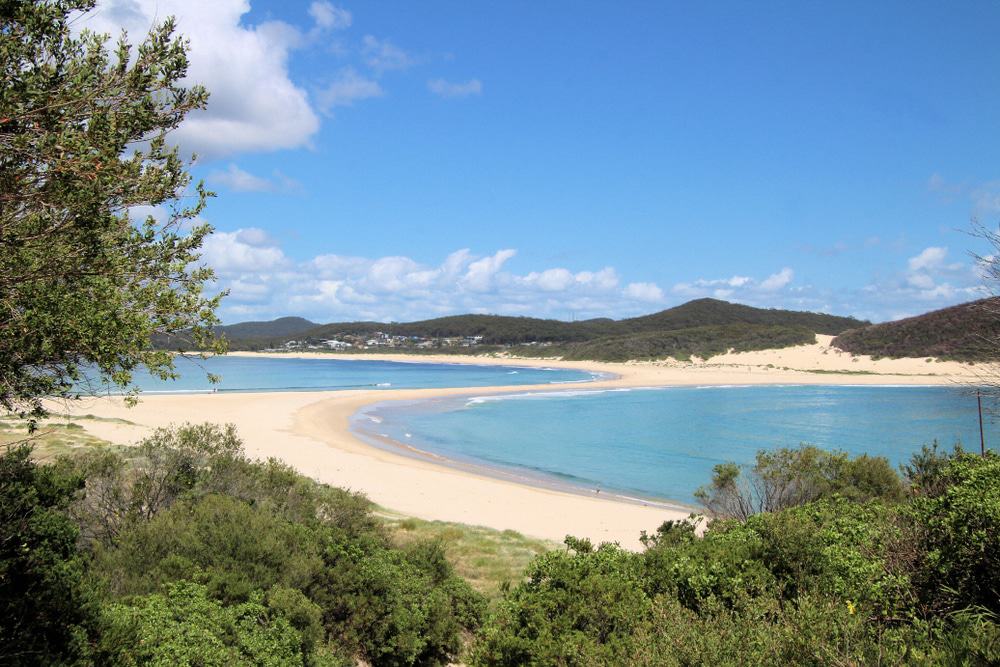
(702, 327)
(279, 328)
(503, 330)
(712, 312)
(966, 332)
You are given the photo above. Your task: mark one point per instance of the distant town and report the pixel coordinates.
(380, 339)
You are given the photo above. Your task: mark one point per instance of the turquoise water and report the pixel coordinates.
(663, 443)
(289, 374)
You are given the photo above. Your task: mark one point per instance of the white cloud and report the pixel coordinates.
(480, 274)
(348, 88)
(448, 89)
(920, 281)
(604, 280)
(246, 251)
(382, 55)
(264, 282)
(551, 280)
(329, 17)
(929, 258)
(254, 104)
(648, 292)
(741, 287)
(777, 280)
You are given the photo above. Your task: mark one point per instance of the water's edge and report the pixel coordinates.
(362, 425)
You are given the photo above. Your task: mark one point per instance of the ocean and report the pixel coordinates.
(291, 374)
(662, 443)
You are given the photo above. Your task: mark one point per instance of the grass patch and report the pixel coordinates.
(50, 440)
(488, 559)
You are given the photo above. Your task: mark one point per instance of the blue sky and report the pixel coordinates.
(398, 160)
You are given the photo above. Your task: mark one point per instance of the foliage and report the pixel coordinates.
(184, 625)
(83, 286)
(849, 578)
(966, 332)
(44, 609)
(579, 606)
(784, 478)
(400, 608)
(189, 507)
(959, 530)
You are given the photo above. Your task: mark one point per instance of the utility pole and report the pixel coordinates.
(982, 438)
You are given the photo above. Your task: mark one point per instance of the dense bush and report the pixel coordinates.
(853, 573)
(959, 532)
(193, 554)
(185, 625)
(784, 478)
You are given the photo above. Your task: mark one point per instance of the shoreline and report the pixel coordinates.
(522, 476)
(311, 431)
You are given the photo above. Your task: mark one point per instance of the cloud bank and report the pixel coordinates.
(264, 282)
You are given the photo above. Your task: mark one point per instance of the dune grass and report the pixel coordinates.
(488, 559)
(50, 440)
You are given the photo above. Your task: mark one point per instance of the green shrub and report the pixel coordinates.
(784, 478)
(190, 507)
(577, 607)
(185, 625)
(959, 529)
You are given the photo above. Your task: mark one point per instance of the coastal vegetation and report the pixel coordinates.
(838, 579)
(703, 328)
(682, 344)
(966, 332)
(181, 550)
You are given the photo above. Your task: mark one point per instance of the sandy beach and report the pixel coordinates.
(310, 431)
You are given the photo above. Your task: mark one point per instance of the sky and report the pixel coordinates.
(399, 160)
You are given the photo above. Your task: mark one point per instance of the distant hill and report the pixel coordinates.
(967, 332)
(702, 327)
(504, 330)
(704, 342)
(246, 335)
(707, 312)
(279, 328)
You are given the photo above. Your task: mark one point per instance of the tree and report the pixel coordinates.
(786, 478)
(84, 285)
(44, 610)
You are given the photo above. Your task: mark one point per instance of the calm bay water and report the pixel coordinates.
(663, 443)
(289, 374)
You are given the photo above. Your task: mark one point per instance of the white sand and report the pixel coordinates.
(310, 431)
